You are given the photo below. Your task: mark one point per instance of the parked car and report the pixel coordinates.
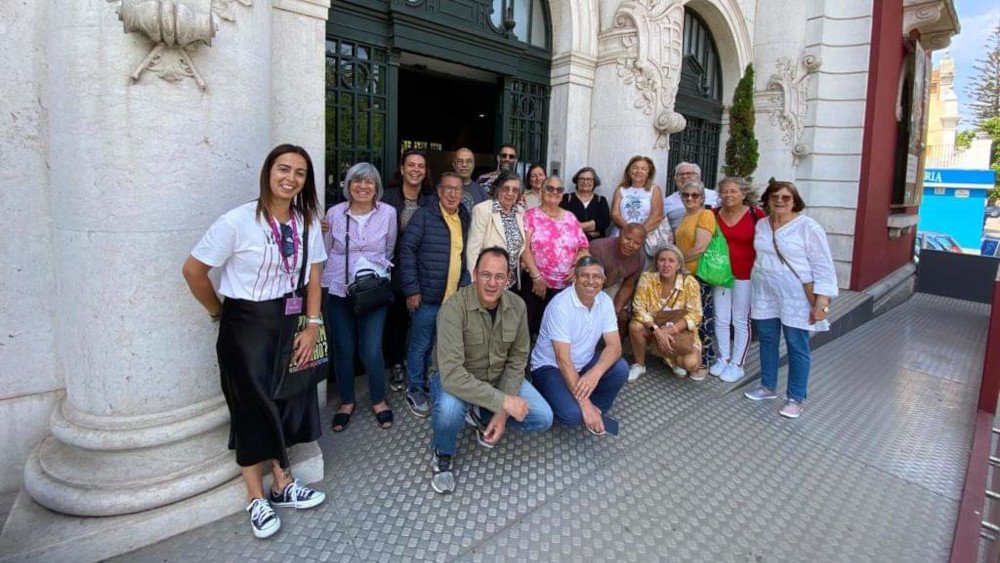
(937, 241)
(992, 212)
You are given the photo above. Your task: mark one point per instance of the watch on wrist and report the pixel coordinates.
(318, 321)
(825, 309)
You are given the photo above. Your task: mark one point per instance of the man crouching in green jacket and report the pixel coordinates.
(482, 350)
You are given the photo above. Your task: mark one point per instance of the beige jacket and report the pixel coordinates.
(486, 230)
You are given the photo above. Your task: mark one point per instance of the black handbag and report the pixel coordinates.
(369, 290)
(295, 380)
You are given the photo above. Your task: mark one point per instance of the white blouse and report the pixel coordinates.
(250, 257)
(634, 206)
(776, 292)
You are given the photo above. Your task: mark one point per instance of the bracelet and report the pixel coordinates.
(537, 276)
(214, 318)
(318, 321)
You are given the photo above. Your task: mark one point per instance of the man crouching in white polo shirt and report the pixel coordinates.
(579, 384)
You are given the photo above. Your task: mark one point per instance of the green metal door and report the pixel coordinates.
(525, 121)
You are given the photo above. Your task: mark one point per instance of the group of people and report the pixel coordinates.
(498, 298)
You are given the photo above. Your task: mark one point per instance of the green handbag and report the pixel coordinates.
(714, 267)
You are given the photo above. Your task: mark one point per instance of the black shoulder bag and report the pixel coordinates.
(295, 380)
(369, 291)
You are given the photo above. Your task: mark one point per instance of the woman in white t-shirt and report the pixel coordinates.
(259, 246)
(637, 199)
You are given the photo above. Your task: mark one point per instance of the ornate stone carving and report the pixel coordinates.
(177, 28)
(936, 20)
(790, 89)
(651, 35)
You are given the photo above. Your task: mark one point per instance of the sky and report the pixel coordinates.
(977, 18)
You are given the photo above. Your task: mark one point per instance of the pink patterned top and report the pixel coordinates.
(554, 244)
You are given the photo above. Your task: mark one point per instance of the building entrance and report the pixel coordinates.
(444, 107)
(409, 75)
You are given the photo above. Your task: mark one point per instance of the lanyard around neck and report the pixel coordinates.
(289, 267)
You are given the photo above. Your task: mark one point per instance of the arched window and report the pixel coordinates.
(699, 100)
(528, 18)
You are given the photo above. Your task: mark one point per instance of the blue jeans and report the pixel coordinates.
(550, 384)
(797, 339)
(449, 415)
(423, 331)
(348, 331)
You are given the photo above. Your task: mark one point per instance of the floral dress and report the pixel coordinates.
(512, 235)
(649, 300)
(554, 244)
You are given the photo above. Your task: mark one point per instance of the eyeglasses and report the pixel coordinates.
(687, 174)
(452, 189)
(488, 277)
(783, 198)
(690, 196)
(584, 180)
(508, 156)
(509, 189)
(287, 244)
(555, 189)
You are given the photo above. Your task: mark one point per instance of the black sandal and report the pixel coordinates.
(341, 420)
(383, 418)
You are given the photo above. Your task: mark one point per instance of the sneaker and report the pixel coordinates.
(679, 372)
(719, 367)
(417, 402)
(443, 480)
(760, 393)
(297, 495)
(635, 372)
(263, 519)
(699, 374)
(732, 374)
(473, 420)
(792, 409)
(397, 380)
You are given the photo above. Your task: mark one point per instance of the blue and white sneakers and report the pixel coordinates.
(263, 519)
(297, 495)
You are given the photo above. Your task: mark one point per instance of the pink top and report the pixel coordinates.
(554, 244)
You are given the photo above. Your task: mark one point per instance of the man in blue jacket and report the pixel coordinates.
(432, 267)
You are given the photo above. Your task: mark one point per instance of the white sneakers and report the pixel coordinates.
(635, 372)
(719, 367)
(732, 374)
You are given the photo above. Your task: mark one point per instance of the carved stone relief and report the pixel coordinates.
(788, 105)
(649, 38)
(176, 28)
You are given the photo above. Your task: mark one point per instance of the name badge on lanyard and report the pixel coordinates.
(293, 305)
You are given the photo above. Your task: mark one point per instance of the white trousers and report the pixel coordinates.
(732, 308)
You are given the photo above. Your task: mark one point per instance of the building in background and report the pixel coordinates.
(942, 126)
(130, 138)
(955, 204)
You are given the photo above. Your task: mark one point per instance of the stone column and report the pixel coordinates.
(149, 144)
(635, 86)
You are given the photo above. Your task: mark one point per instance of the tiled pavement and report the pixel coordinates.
(871, 472)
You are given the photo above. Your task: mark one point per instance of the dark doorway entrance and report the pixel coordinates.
(440, 113)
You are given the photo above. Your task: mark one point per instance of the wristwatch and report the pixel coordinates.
(314, 321)
(825, 309)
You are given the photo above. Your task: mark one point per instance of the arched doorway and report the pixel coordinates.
(699, 100)
(435, 75)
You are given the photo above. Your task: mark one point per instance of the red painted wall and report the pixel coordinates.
(875, 254)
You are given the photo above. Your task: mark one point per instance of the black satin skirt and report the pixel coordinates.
(261, 428)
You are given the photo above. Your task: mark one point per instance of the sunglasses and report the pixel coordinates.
(508, 156)
(690, 196)
(287, 244)
(784, 198)
(555, 189)
(510, 189)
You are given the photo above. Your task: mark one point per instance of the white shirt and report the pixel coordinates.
(673, 207)
(634, 205)
(252, 266)
(568, 320)
(775, 291)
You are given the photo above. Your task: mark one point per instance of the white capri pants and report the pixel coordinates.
(732, 308)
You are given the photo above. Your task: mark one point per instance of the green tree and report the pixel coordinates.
(984, 89)
(741, 148)
(964, 138)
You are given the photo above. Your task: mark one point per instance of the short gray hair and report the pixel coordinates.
(691, 164)
(363, 171)
(671, 248)
(740, 183)
(586, 261)
(694, 184)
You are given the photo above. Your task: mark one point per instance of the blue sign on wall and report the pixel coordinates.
(945, 176)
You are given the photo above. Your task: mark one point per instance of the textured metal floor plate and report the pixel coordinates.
(869, 473)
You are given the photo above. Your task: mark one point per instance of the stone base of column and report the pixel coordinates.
(32, 532)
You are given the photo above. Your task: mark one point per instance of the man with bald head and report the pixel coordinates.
(464, 164)
(623, 260)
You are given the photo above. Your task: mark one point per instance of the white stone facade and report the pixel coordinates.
(116, 162)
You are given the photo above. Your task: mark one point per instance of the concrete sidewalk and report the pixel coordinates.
(871, 472)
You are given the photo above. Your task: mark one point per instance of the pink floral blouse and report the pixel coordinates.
(554, 244)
